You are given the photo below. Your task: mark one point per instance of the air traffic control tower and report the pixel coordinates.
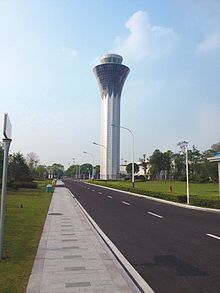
(111, 75)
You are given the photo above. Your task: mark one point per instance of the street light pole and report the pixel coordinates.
(184, 148)
(76, 173)
(187, 175)
(103, 146)
(129, 130)
(93, 166)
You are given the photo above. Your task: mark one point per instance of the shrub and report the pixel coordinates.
(22, 184)
(206, 202)
(27, 184)
(139, 178)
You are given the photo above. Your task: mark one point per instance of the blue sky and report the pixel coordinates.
(48, 50)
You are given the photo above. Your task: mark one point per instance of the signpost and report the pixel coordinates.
(6, 140)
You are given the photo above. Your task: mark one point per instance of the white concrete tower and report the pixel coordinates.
(111, 75)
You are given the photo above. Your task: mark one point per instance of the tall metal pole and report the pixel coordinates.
(76, 172)
(184, 148)
(187, 175)
(101, 145)
(4, 188)
(129, 130)
(93, 166)
(132, 159)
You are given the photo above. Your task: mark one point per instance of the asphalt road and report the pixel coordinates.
(174, 249)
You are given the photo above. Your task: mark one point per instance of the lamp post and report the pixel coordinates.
(90, 154)
(129, 130)
(74, 162)
(184, 148)
(103, 146)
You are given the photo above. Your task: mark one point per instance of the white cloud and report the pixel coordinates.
(145, 40)
(210, 43)
(72, 53)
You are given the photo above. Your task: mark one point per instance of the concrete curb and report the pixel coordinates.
(181, 205)
(140, 282)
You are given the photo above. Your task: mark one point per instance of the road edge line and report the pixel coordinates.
(135, 276)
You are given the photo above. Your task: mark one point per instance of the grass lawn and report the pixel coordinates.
(23, 227)
(179, 187)
(204, 195)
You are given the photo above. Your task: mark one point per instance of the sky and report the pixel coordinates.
(49, 48)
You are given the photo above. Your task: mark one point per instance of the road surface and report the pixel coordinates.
(174, 249)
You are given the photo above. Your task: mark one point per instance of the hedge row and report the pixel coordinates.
(206, 202)
(22, 184)
(196, 200)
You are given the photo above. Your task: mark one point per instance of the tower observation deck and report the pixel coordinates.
(111, 75)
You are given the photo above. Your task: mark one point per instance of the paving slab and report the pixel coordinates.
(71, 256)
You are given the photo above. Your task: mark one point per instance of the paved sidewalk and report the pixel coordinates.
(72, 257)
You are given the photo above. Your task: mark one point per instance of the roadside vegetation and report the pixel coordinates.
(25, 214)
(204, 194)
(164, 177)
(23, 171)
(171, 165)
(27, 203)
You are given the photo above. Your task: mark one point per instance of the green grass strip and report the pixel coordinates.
(203, 195)
(25, 214)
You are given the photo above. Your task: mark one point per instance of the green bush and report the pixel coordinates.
(22, 184)
(139, 178)
(202, 201)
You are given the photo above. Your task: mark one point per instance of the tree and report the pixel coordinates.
(144, 164)
(156, 164)
(179, 167)
(129, 168)
(167, 163)
(86, 170)
(71, 171)
(57, 170)
(32, 160)
(210, 169)
(97, 171)
(18, 169)
(41, 172)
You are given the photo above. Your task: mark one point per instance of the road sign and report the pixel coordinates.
(7, 127)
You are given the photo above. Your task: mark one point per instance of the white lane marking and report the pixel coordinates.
(213, 236)
(109, 196)
(124, 202)
(99, 192)
(158, 216)
(93, 190)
